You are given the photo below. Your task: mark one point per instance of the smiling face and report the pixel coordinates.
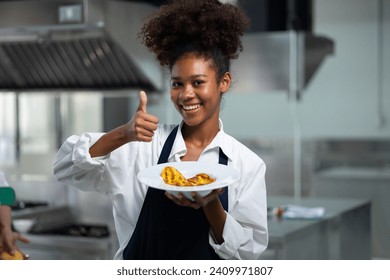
(195, 91)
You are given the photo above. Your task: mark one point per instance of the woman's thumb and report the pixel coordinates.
(143, 100)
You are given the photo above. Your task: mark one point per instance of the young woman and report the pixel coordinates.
(196, 40)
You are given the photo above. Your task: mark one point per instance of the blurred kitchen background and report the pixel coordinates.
(311, 96)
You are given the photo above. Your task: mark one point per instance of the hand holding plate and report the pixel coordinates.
(197, 201)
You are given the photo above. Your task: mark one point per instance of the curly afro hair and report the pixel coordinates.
(208, 28)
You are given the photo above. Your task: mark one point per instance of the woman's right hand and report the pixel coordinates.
(142, 126)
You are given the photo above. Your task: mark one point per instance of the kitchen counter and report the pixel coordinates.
(342, 233)
(57, 235)
(56, 247)
(349, 172)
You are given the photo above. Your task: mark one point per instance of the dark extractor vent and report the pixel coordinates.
(89, 63)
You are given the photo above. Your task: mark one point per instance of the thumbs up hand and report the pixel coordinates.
(142, 126)
(143, 100)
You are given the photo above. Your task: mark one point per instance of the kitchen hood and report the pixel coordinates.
(280, 61)
(62, 45)
(281, 52)
(93, 45)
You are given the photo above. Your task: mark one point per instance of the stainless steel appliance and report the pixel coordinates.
(57, 235)
(47, 45)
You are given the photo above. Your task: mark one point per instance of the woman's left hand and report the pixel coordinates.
(198, 201)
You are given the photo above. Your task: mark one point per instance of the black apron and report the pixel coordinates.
(166, 231)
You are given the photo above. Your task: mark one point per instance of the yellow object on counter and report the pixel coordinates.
(17, 256)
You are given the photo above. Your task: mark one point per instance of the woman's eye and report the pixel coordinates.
(198, 82)
(175, 84)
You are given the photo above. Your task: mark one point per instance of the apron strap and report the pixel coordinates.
(166, 150)
(223, 197)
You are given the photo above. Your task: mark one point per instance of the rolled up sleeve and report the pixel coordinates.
(74, 166)
(245, 232)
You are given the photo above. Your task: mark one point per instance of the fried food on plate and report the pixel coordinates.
(172, 176)
(201, 179)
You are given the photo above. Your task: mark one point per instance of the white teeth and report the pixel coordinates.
(191, 107)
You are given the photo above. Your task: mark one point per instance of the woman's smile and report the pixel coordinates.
(191, 107)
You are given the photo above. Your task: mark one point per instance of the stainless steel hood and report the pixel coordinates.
(47, 44)
(280, 61)
(73, 45)
(281, 51)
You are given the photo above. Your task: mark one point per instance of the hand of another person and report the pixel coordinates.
(198, 201)
(142, 126)
(8, 239)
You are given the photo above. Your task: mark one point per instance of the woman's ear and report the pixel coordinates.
(225, 82)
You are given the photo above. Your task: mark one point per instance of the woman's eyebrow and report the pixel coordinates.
(192, 76)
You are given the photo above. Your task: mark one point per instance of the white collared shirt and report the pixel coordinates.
(245, 232)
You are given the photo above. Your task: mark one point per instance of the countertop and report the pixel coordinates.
(333, 207)
(344, 232)
(355, 172)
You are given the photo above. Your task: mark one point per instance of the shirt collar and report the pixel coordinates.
(221, 140)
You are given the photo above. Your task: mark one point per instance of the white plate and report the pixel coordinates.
(224, 175)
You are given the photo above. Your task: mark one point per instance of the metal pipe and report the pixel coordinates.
(58, 121)
(17, 127)
(85, 10)
(294, 96)
(380, 80)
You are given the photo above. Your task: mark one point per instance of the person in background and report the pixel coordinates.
(8, 237)
(196, 41)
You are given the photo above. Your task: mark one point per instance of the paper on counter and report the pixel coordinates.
(300, 212)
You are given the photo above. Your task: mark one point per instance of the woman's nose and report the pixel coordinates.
(188, 92)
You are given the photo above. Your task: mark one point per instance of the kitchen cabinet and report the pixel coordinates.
(342, 233)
